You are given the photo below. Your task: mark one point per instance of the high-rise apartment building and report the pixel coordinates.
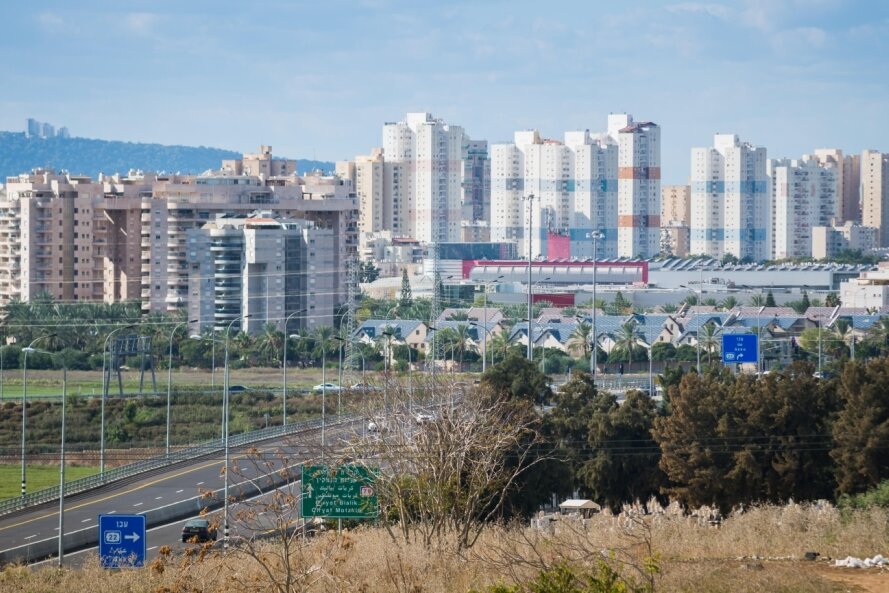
(260, 268)
(575, 187)
(804, 195)
(848, 173)
(875, 193)
(675, 219)
(638, 186)
(380, 187)
(828, 241)
(476, 182)
(730, 201)
(432, 153)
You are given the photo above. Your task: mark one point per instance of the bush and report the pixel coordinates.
(564, 578)
(875, 497)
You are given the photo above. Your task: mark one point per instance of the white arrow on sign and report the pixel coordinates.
(309, 491)
(133, 536)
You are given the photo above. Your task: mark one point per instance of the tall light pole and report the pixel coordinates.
(225, 421)
(595, 236)
(530, 199)
(284, 363)
(61, 552)
(27, 350)
(170, 380)
(104, 397)
(485, 320)
(485, 338)
(340, 380)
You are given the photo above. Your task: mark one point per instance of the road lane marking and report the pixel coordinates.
(138, 504)
(199, 483)
(152, 547)
(110, 512)
(178, 491)
(86, 520)
(31, 536)
(158, 497)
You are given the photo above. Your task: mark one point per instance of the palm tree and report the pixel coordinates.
(324, 344)
(500, 344)
(581, 337)
(757, 300)
(879, 333)
(729, 303)
(842, 330)
(269, 344)
(627, 339)
(708, 339)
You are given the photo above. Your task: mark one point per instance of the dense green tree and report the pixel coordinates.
(661, 351)
(832, 300)
(622, 465)
(516, 378)
(861, 432)
(367, 272)
(770, 300)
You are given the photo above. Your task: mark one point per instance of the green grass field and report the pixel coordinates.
(39, 477)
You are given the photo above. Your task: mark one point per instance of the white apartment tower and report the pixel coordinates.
(638, 185)
(730, 202)
(875, 193)
(848, 174)
(432, 153)
(575, 189)
(804, 195)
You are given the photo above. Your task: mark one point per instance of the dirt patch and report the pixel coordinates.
(867, 580)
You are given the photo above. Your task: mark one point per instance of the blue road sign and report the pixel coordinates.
(738, 348)
(122, 540)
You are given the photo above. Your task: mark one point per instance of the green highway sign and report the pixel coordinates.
(345, 492)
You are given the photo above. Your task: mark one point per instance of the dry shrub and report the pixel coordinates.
(692, 557)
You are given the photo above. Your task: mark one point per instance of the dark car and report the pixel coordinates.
(198, 530)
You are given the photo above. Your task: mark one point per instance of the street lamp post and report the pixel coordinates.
(530, 199)
(284, 364)
(225, 430)
(27, 350)
(485, 321)
(595, 235)
(104, 397)
(61, 552)
(340, 383)
(170, 380)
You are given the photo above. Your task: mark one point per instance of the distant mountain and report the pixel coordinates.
(86, 156)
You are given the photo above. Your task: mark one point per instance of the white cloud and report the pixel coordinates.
(715, 10)
(141, 23)
(50, 20)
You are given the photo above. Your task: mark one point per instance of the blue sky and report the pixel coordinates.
(318, 79)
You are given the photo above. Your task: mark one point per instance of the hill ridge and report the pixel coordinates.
(92, 156)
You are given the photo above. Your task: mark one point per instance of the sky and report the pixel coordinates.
(319, 79)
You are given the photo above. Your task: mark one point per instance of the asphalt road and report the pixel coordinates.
(157, 489)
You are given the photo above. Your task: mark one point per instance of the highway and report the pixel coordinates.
(161, 488)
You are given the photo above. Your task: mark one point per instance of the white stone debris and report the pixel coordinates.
(852, 562)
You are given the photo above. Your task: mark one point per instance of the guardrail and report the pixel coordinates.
(132, 469)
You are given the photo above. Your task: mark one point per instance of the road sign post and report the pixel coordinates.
(740, 348)
(122, 540)
(346, 492)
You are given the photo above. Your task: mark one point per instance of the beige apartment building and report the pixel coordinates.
(848, 169)
(125, 238)
(676, 219)
(827, 241)
(875, 193)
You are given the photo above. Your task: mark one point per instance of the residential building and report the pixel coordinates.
(848, 170)
(730, 202)
(828, 241)
(638, 186)
(574, 187)
(476, 182)
(380, 187)
(262, 269)
(125, 237)
(675, 219)
(261, 164)
(875, 193)
(432, 153)
(804, 195)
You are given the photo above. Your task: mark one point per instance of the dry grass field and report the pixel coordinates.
(757, 551)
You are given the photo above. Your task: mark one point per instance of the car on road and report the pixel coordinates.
(198, 530)
(364, 387)
(323, 387)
